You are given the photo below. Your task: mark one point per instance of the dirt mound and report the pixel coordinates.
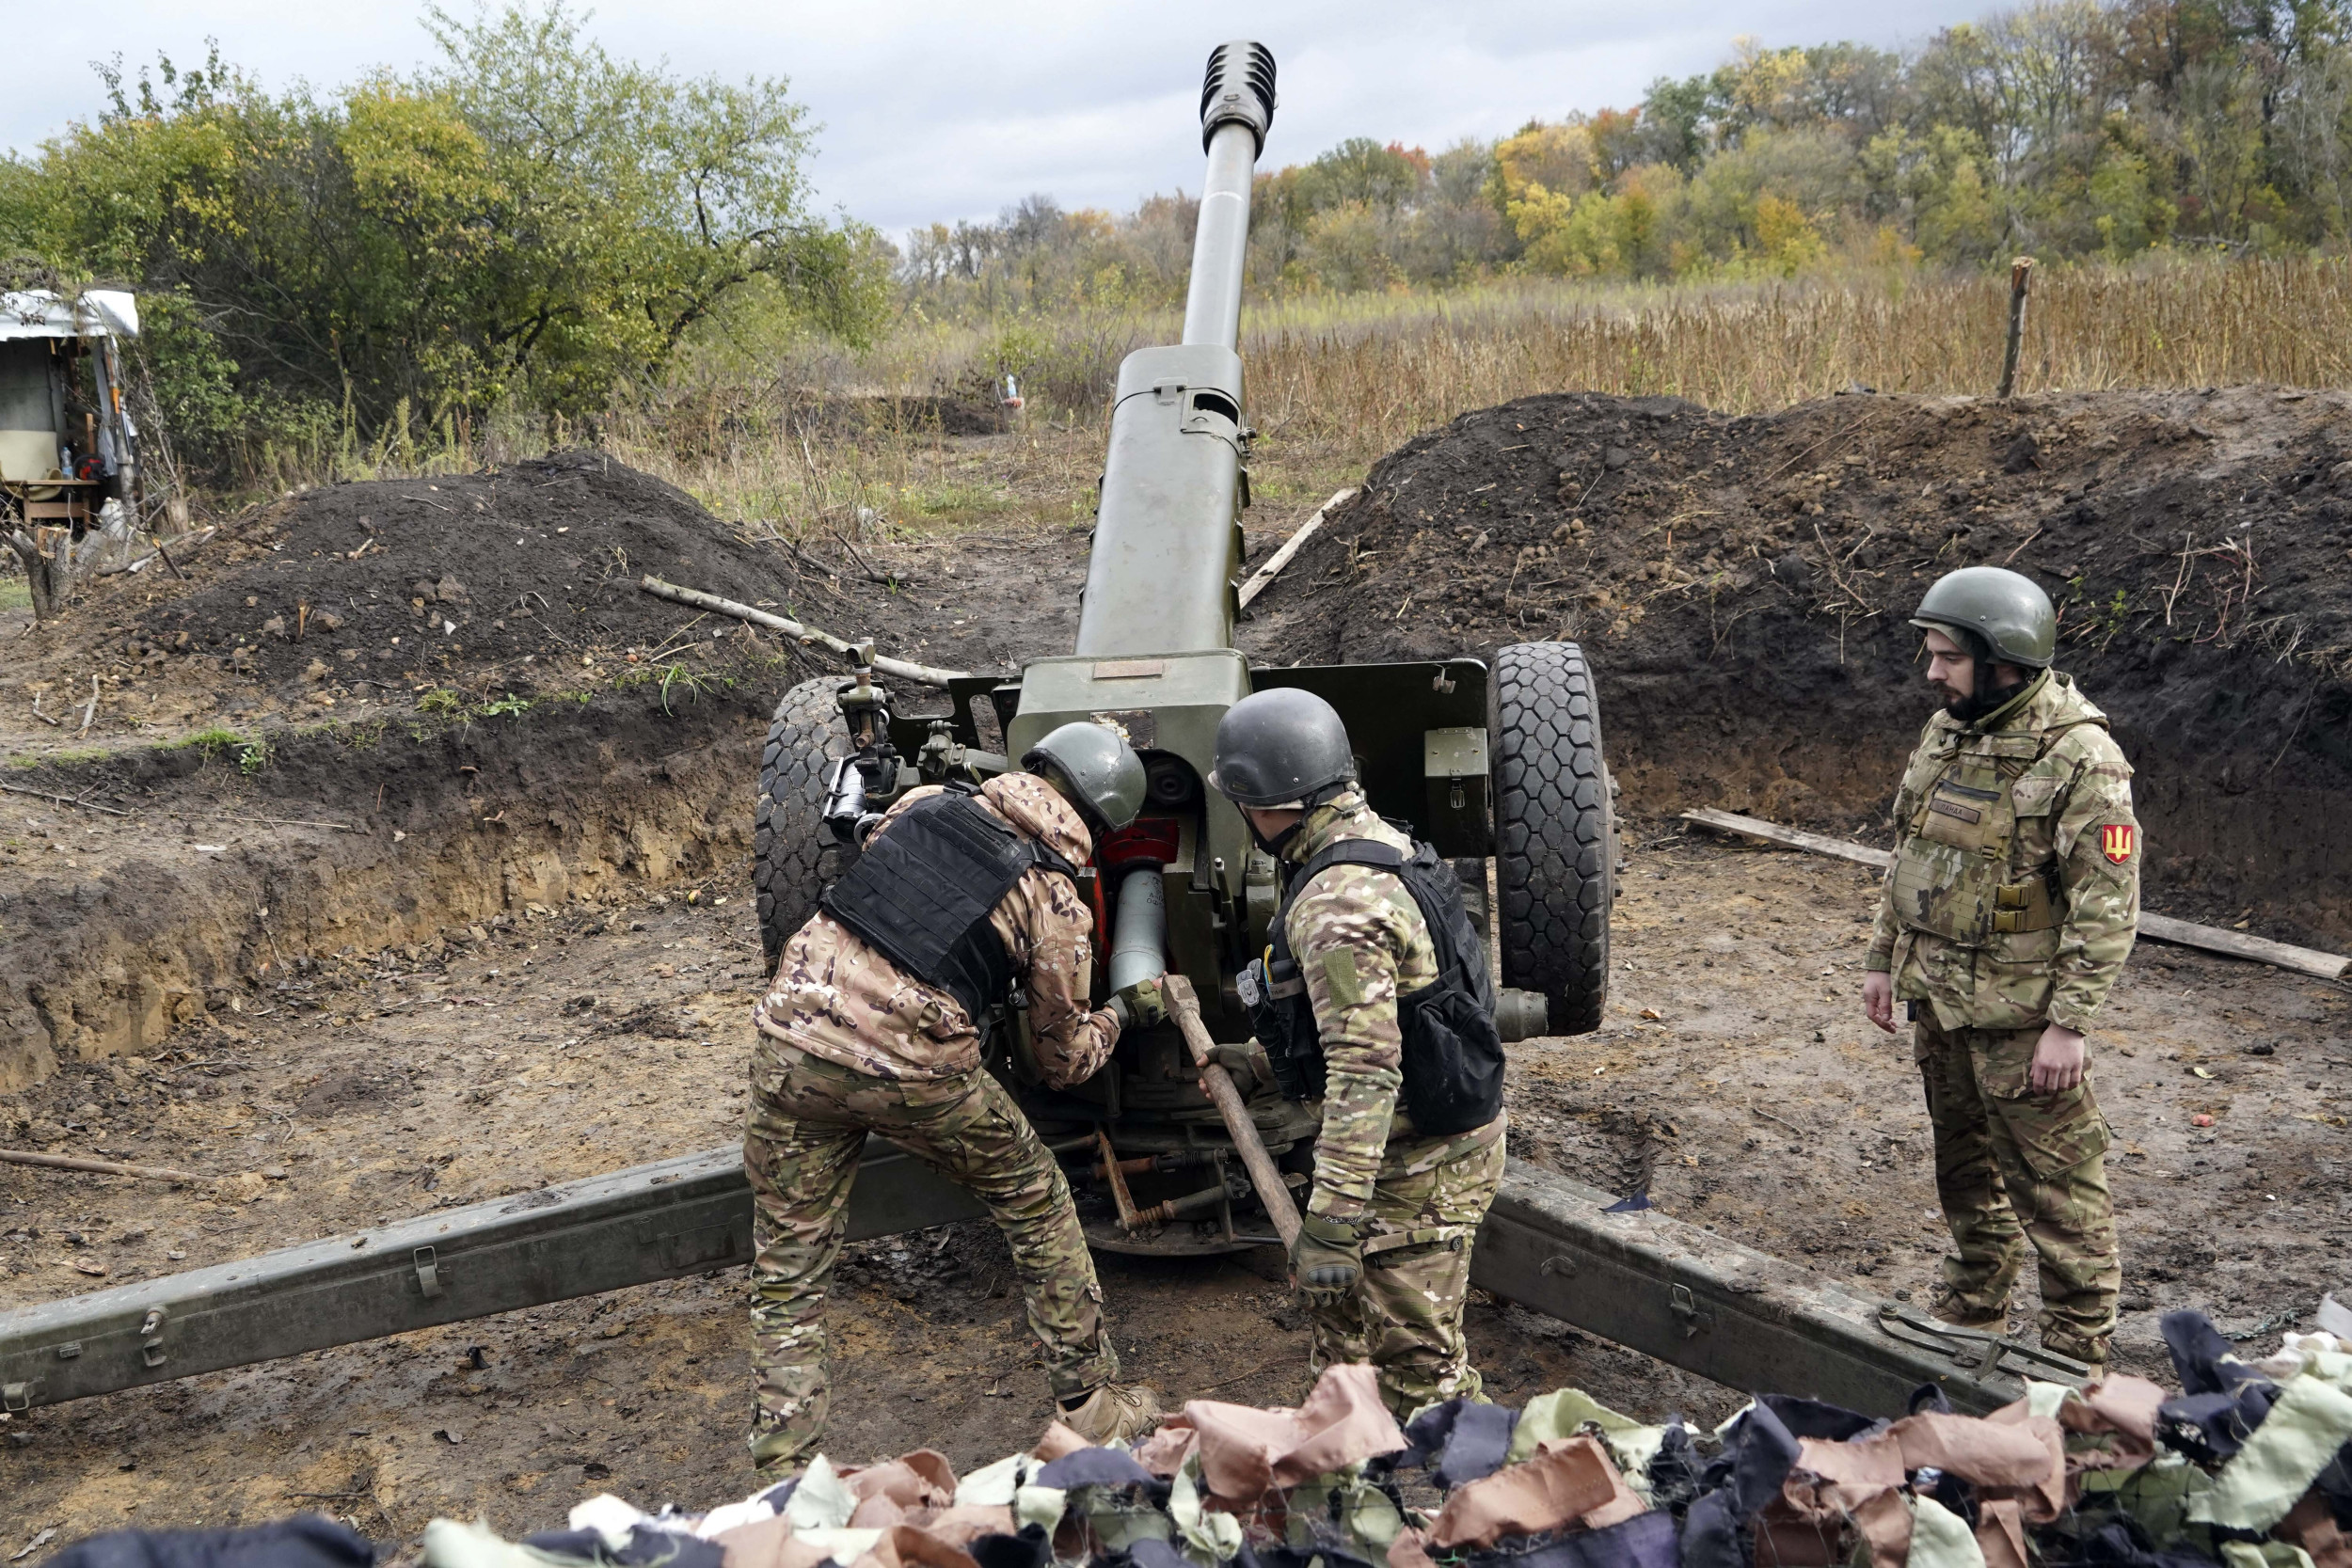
(1744, 586)
(401, 581)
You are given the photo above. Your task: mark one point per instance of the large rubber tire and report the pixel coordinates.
(1555, 833)
(792, 863)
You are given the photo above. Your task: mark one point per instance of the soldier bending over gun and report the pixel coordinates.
(870, 1026)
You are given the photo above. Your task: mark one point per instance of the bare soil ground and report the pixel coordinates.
(546, 1050)
(1758, 1102)
(489, 976)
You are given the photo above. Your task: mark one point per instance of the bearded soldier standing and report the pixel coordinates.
(1374, 997)
(872, 1025)
(2010, 910)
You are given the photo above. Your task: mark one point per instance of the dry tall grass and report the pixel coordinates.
(1370, 381)
(1336, 381)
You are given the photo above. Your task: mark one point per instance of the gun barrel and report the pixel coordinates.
(1236, 108)
(1166, 541)
(1212, 305)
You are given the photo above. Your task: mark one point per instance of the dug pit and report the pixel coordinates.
(523, 951)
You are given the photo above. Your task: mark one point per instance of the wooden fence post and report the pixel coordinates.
(2019, 273)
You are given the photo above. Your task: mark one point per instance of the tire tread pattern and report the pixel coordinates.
(1555, 840)
(790, 861)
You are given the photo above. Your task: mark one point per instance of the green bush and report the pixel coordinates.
(527, 224)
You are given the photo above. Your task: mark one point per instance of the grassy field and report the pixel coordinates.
(1336, 381)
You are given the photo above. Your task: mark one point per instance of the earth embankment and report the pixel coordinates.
(1743, 587)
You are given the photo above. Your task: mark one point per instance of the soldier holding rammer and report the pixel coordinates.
(2010, 910)
(872, 1026)
(1374, 998)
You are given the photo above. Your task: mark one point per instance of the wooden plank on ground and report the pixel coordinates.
(2237, 945)
(1792, 838)
(2158, 928)
(1281, 558)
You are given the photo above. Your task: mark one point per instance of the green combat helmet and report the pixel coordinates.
(1097, 770)
(1998, 608)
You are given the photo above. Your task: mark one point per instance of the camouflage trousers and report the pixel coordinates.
(2013, 1167)
(1406, 1315)
(808, 1121)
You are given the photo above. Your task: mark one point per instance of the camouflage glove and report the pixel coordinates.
(1145, 1006)
(1244, 1062)
(1327, 1260)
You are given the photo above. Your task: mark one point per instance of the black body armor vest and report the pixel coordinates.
(922, 892)
(1453, 1056)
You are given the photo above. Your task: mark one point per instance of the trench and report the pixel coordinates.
(195, 984)
(1743, 588)
(223, 886)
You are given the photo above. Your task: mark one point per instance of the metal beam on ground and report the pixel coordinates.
(1744, 1318)
(1647, 1282)
(660, 1221)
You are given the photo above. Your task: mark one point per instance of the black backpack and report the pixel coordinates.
(1453, 1056)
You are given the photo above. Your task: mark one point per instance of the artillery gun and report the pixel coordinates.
(1500, 765)
(1502, 762)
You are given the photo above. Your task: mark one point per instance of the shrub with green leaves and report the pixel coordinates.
(528, 223)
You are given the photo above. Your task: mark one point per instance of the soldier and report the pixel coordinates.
(870, 1026)
(2011, 907)
(1372, 996)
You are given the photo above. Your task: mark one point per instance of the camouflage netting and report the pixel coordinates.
(2249, 1465)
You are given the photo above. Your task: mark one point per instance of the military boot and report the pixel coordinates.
(2089, 1349)
(1116, 1410)
(1948, 1306)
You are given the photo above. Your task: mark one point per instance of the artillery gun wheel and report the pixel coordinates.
(792, 863)
(1555, 851)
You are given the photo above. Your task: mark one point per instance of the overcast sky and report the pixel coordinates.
(945, 109)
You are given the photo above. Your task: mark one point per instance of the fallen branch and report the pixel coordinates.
(924, 673)
(185, 542)
(62, 800)
(89, 711)
(97, 1168)
(1281, 558)
(2159, 928)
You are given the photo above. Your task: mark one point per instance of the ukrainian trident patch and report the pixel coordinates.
(2117, 840)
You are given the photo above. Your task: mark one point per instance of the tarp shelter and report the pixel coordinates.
(67, 441)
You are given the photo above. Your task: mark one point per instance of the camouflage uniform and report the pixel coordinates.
(847, 1045)
(1359, 941)
(2013, 905)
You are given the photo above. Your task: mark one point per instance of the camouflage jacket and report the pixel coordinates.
(836, 998)
(1359, 941)
(2014, 895)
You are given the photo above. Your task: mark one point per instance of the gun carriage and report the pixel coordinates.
(1502, 764)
